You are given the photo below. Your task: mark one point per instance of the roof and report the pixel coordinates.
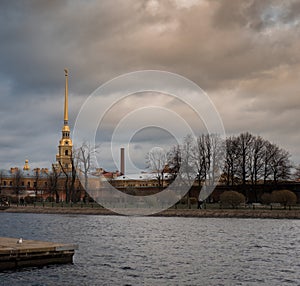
(25, 174)
(142, 177)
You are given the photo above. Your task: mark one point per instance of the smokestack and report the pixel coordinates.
(122, 162)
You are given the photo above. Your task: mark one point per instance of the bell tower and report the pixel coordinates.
(64, 156)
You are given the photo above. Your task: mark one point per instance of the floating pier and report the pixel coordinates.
(31, 253)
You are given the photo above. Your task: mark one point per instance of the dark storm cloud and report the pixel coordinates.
(245, 54)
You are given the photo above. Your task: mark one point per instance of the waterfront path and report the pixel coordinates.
(237, 213)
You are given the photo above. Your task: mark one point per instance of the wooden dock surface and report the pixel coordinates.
(33, 253)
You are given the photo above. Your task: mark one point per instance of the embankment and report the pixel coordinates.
(212, 213)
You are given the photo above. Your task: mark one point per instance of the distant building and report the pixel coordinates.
(24, 182)
(142, 180)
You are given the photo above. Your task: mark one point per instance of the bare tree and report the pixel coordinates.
(65, 171)
(156, 161)
(70, 173)
(269, 152)
(74, 167)
(53, 182)
(230, 161)
(256, 162)
(86, 157)
(17, 181)
(200, 156)
(280, 165)
(208, 159)
(277, 165)
(244, 145)
(174, 160)
(188, 169)
(36, 182)
(216, 158)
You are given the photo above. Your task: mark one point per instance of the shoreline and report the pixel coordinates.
(202, 213)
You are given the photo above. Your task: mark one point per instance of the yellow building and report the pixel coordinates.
(20, 183)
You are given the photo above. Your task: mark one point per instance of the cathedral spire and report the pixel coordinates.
(64, 156)
(66, 128)
(66, 99)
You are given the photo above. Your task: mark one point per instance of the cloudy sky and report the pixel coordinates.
(244, 54)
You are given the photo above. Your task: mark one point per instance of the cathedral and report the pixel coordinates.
(56, 184)
(38, 182)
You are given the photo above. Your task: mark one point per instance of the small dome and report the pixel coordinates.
(26, 166)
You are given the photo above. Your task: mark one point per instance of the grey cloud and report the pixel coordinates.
(255, 14)
(238, 51)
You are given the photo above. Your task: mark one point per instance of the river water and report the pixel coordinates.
(120, 250)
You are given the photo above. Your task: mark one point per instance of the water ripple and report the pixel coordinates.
(160, 251)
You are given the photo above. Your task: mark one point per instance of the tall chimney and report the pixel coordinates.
(122, 162)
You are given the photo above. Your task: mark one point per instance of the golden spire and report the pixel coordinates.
(66, 99)
(64, 156)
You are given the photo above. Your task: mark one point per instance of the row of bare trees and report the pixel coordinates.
(240, 160)
(199, 159)
(253, 159)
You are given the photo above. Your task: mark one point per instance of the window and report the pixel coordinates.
(28, 184)
(4, 183)
(66, 152)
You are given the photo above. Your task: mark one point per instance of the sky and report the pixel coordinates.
(243, 54)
